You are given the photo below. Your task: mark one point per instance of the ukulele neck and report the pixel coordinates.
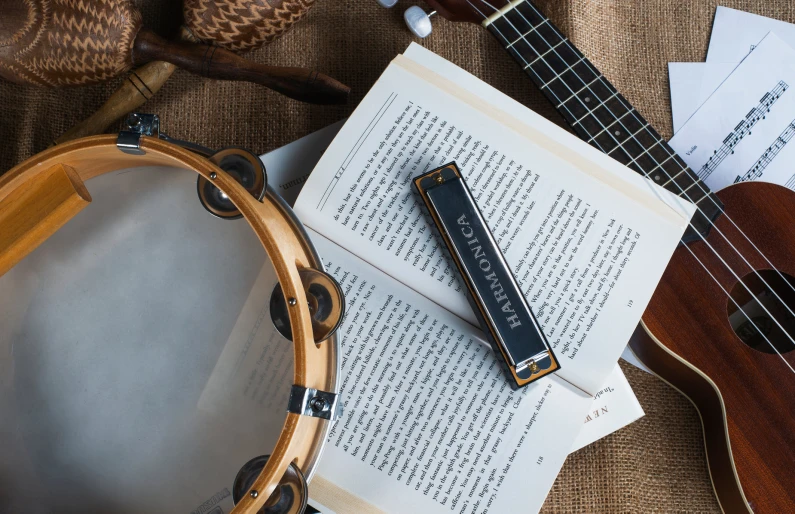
(595, 109)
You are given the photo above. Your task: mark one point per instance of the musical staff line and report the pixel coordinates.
(790, 183)
(767, 157)
(742, 129)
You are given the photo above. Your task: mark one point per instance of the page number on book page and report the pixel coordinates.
(629, 303)
(540, 460)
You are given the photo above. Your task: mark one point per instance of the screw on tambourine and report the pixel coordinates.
(324, 300)
(318, 404)
(241, 165)
(133, 120)
(290, 496)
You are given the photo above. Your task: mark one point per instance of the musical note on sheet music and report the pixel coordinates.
(767, 157)
(742, 129)
(762, 145)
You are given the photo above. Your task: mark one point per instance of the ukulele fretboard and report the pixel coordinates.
(596, 111)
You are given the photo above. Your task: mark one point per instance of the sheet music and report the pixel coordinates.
(742, 131)
(691, 84)
(735, 33)
(743, 128)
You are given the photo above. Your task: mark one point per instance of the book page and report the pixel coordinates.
(613, 406)
(586, 246)
(288, 165)
(430, 423)
(505, 103)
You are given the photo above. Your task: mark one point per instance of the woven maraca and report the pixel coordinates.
(75, 42)
(242, 25)
(51, 44)
(238, 26)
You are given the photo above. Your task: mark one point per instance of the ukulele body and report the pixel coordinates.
(745, 397)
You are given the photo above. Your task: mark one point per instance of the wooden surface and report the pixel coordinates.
(688, 315)
(314, 365)
(37, 210)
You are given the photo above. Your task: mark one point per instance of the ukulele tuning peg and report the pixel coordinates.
(418, 21)
(387, 3)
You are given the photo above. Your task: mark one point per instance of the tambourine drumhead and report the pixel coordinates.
(139, 366)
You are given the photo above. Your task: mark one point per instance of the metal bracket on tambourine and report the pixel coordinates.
(245, 167)
(314, 403)
(129, 141)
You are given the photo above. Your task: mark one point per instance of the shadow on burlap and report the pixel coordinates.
(654, 465)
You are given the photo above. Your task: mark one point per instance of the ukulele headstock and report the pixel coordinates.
(468, 11)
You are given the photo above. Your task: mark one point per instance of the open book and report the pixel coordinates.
(614, 406)
(431, 424)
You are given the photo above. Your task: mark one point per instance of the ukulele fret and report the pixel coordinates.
(619, 133)
(525, 34)
(552, 48)
(598, 106)
(583, 88)
(594, 108)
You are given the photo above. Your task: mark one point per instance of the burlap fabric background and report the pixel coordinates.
(654, 465)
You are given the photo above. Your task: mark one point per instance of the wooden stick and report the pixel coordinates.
(140, 86)
(218, 63)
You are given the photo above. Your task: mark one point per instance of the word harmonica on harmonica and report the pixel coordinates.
(500, 306)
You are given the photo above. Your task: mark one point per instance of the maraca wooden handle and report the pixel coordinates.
(139, 87)
(217, 63)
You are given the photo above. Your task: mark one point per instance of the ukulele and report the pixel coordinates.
(721, 325)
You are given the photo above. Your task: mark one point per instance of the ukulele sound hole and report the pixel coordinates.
(769, 305)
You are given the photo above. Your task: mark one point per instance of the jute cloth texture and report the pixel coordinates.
(657, 464)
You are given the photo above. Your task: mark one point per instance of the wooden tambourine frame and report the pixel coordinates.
(40, 195)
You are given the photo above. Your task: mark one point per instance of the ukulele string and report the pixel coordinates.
(705, 242)
(657, 164)
(738, 307)
(665, 173)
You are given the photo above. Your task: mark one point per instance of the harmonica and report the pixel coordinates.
(502, 310)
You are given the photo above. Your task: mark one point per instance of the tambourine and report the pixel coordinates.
(152, 357)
